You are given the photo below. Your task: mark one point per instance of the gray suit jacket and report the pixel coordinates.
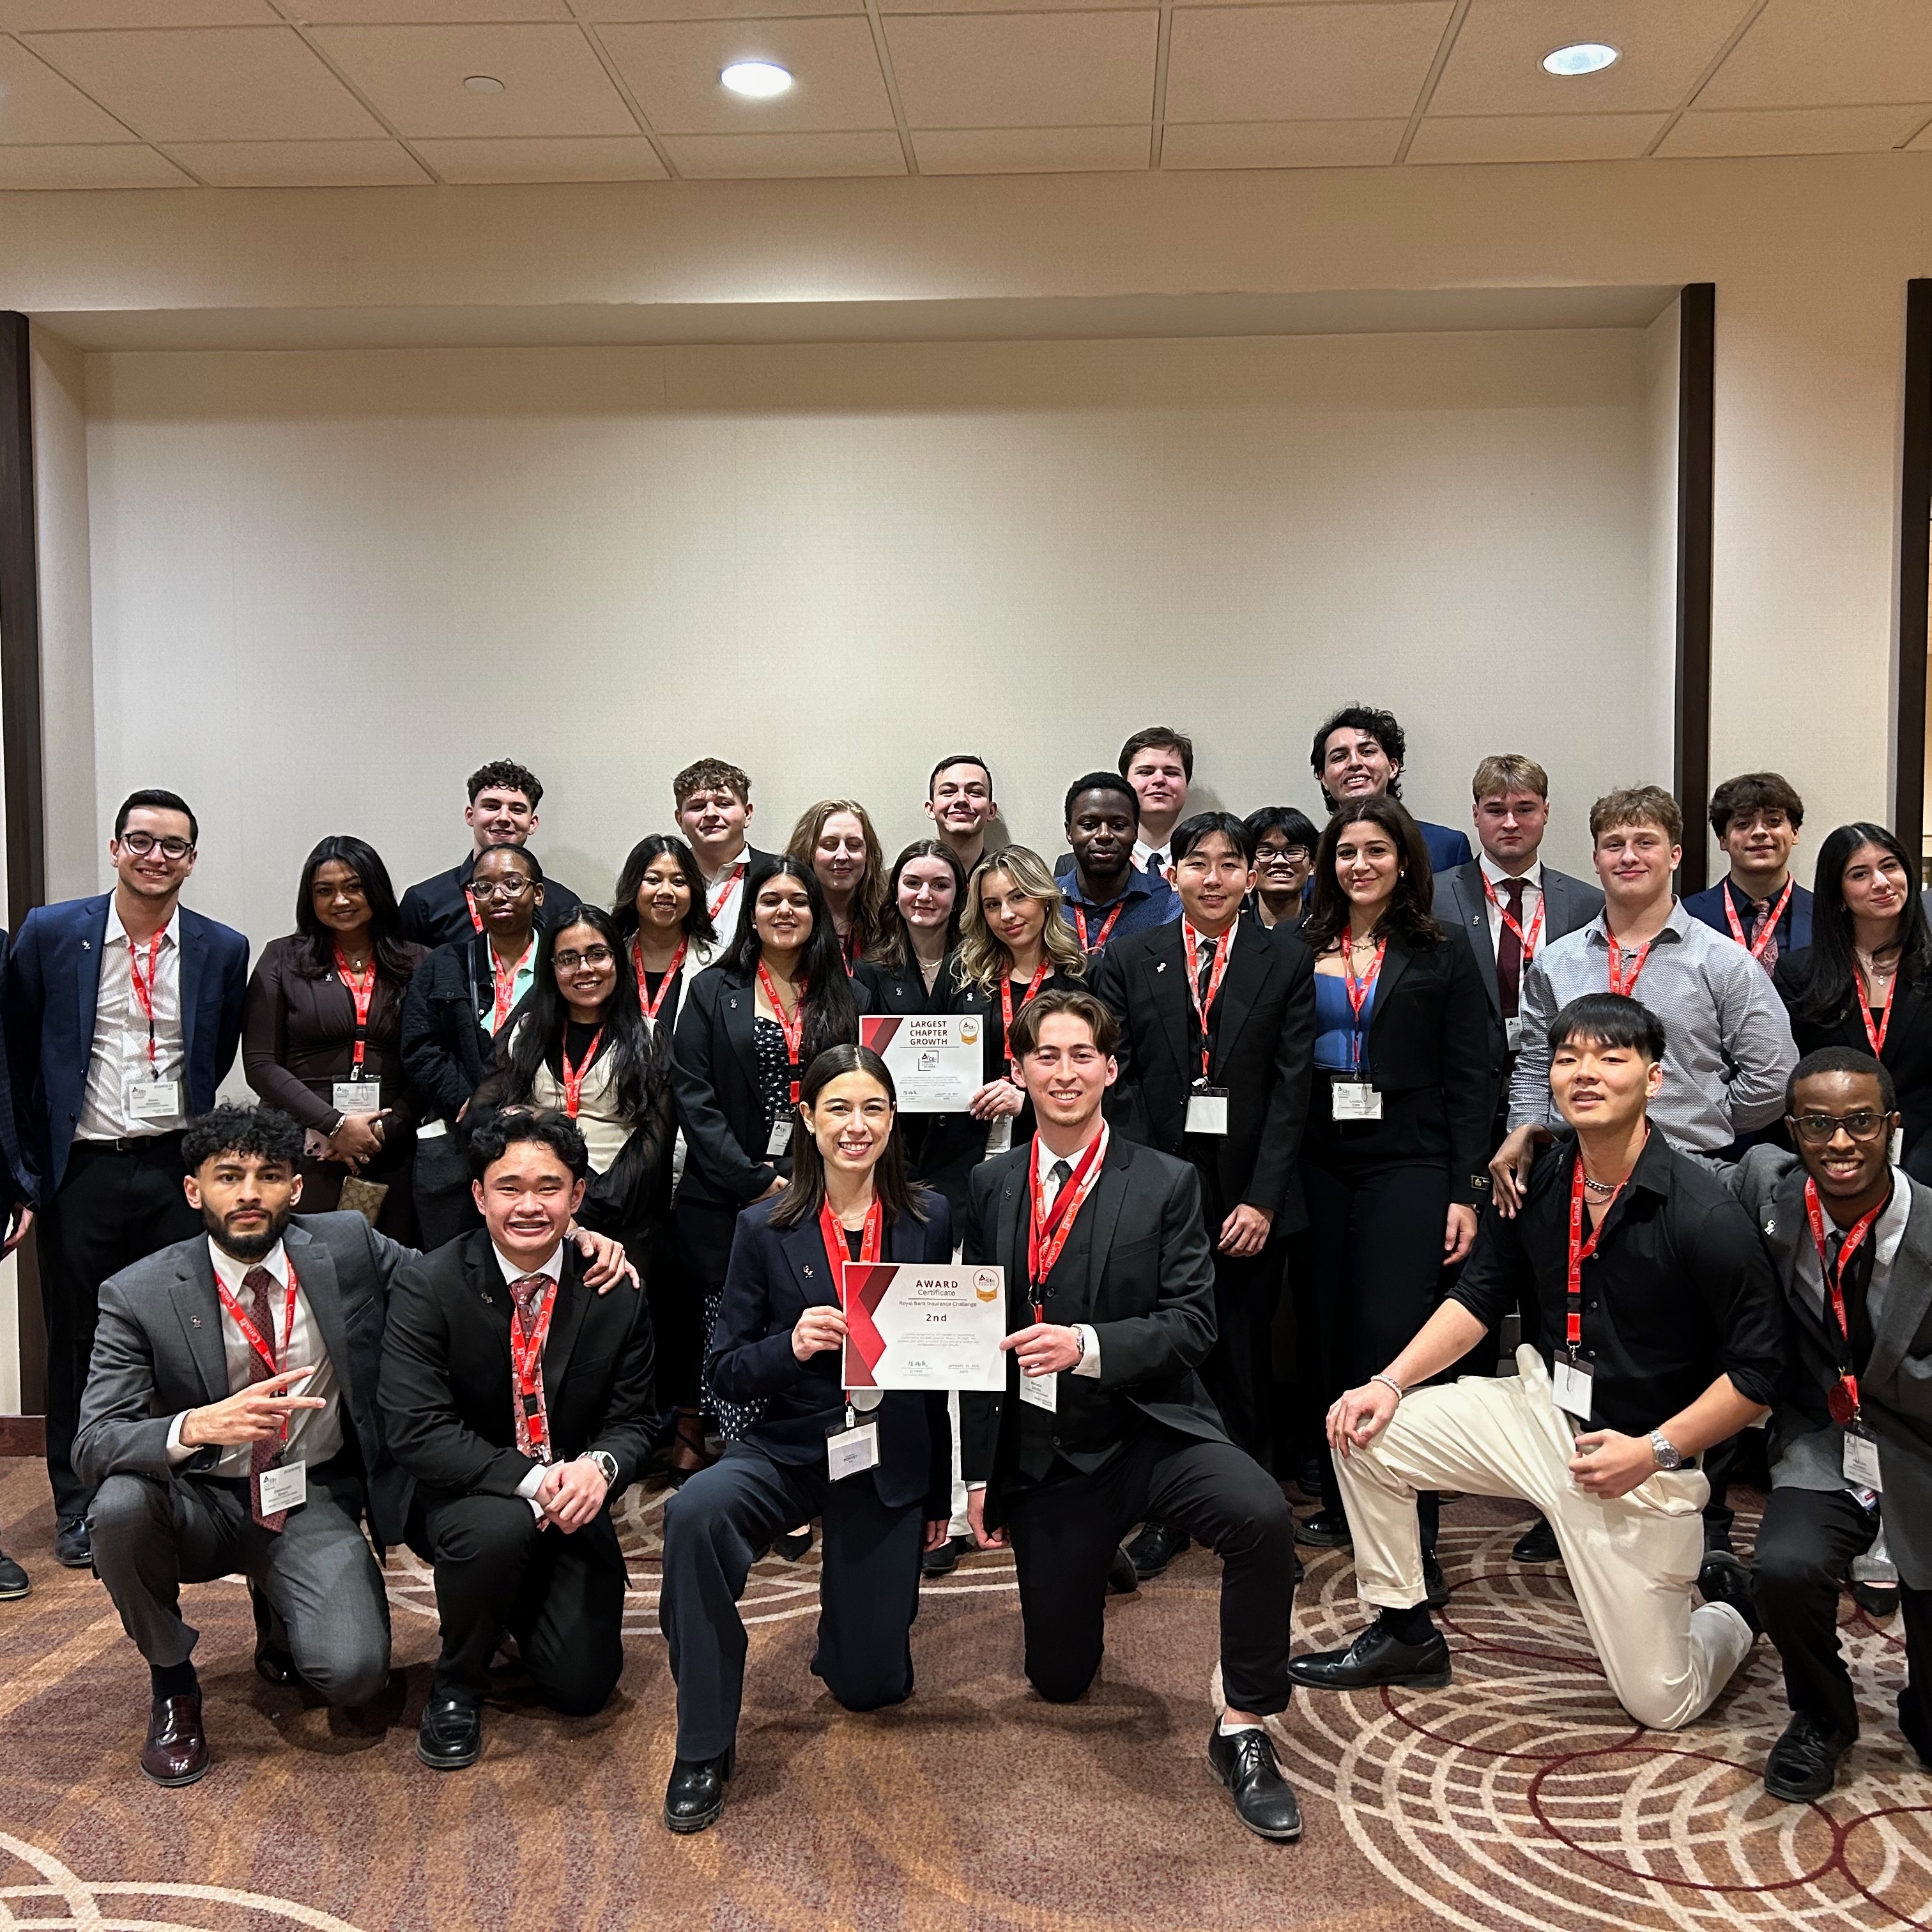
(157, 1351)
(1462, 906)
(1894, 1392)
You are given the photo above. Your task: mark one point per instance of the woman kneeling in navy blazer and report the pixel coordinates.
(779, 1344)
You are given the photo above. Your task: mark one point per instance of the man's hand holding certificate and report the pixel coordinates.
(937, 1060)
(909, 1326)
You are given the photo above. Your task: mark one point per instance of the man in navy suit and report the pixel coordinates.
(14, 1580)
(1358, 754)
(1756, 818)
(122, 1015)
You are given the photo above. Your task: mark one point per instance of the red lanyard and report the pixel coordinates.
(144, 989)
(1581, 1250)
(573, 1076)
(253, 1336)
(1844, 1401)
(1619, 982)
(1048, 1228)
(506, 982)
(1874, 1032)
(731, 879)
(1224, 946)
(526, 1353)
(475, 917)
(793, 1028)
(1107, 925)
(1528, 940)
(652, 1007)
(848, 947)
(1006, 1009)
(1359, 990)
(838, 1252)
(363, 992)
(1769, 930)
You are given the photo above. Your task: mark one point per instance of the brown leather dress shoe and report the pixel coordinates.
(176, 1752)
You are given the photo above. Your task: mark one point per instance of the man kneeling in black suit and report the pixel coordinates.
(521, 1403)
(1104, 1424)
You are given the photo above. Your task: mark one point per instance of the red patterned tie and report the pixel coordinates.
(265, 1455)
(1761, 911)
(526, 1291)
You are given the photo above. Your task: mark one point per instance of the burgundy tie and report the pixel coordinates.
(1761, 910)
(1509, 952)
(265, 1455)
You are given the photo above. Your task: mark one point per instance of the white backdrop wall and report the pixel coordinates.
(325, 585)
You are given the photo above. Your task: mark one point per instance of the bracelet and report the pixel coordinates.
(1389, 1381)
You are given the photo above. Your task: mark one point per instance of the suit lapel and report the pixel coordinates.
(811, 1267)
(740, 1004)
(93, 937)
(1010, 1231)
(1395, 964)
(315, 1271)
(1908, 1291)
(1166, 966)
(193, 957)
(199, 1309)
(1241, 986)
(566, 1322)
(1473, 906)
(1102, 1213)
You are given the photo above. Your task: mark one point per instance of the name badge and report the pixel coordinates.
(154, 1100)
(1861, 1457)
(356, 1097)
(1571, 1377)
(1207, 1110)
(1000, 1135)
(1513, 1033)
(1356, 1100)
(850, 1452)
(285, 1487)
(780, 1140)
(1040, 1391)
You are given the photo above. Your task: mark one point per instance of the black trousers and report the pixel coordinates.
(1065, 1530)
(715, 1528)
(439, 1178)
(561, 1597)
(1805, 1545)
(116, 1204)
(677, 1318)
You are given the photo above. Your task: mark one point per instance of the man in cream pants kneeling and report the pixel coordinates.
(1661, 1335)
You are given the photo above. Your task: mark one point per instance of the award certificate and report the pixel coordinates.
(937, 1060)
(908, 1326)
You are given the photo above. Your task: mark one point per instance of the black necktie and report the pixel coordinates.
(1509, 952)
(1062, 1171)
(1207, 978)
(1853, 1286)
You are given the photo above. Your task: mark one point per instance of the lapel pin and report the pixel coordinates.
(808, 1271)
(1162, 967)
(194, 1321)
(87, 946)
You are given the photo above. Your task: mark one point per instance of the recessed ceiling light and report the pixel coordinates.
(756, 80)
(483, 83)
(1585, 57)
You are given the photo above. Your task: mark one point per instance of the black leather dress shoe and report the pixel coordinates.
(450, 1737)
(694, 1798)
(1263, 1801)
(73, 1547)
(1804, 1763)
(1722, 1578)
(176, 1752)
(792, 1545)
(1375, 1658)
(1879, 1601)
(1537, 1544)
(1123, 1578)
(1155, 1548)
(1435, 1585)
(940, 1562)
(1326, 1529)
(14, 1581)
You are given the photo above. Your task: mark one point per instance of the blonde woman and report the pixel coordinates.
(835, 838)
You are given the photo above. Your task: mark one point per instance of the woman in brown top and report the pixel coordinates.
(321, 1031)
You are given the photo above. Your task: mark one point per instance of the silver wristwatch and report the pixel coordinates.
(606, 1464)
(1668, 1457)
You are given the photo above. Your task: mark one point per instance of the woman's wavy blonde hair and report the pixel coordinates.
(983, 955)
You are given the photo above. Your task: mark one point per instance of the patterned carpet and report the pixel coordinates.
(1519, 1797)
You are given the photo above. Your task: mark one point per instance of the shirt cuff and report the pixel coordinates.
(178, 1452)
(1089, 1363)
(533, 1480)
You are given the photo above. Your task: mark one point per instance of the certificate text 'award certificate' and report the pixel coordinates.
(910, 1326)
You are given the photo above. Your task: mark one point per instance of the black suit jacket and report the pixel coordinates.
(1264, 1046)
(1137, 1267)
(940, 1149)
(435, 911)
(776, 1274)
(445, 1392)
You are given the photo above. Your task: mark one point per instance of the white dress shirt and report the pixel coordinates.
(1157, 857)
(1532, 891)
(118, 1057)
(554, 1268)
(1043, 1160)
(315, 1434)
(725, 919)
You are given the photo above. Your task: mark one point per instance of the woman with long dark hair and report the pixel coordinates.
(1865, 981)
(1398, 1119)
(835, 838)
(322, 1032)
(925, 902)
(776, 1350)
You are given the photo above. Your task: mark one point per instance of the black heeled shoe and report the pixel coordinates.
(694, 1797)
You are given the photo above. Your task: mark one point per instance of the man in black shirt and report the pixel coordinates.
(1661, 1335)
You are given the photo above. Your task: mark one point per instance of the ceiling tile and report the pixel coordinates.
(21, 16)
(126, 165)
(1496, 65)
(1282, 144)
(36, 104)
(1535, 137)
(765, 157)
(673, 67)
(552, 83)
(433, 13)
(601, 11)
(1024, 70)
(299, 164)
(1828, 53)
(1301, 63)
(1029, 150)
(1792, 130)
(591, 158)
(210, 83)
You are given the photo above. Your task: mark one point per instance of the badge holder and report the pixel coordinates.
(1513, 1033)
(1207, 1110)
(852, 1447)
(1040, 1391)
(154, 1100)
(284, 1487)
(1861, 1457)
(350, 1097)
(1356, 1100)
(780, 1141)
(1571, 1376)
(1000, 1135)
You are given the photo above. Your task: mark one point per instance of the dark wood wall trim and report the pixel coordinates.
(20, 628)
(1696, 358)
(1914, 559)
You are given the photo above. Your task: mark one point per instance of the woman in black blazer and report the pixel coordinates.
(1398, 1120)
(1865, 981)
(778, 1345)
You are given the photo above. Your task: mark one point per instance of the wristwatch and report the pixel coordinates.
(606, 1464)
(1668, 1457)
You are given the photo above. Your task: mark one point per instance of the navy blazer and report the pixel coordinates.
(53, 982)
(1446, 849)
(1794, 929)
(775, 1275)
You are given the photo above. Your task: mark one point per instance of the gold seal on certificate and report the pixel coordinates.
(936, 1060)
(912, 1327)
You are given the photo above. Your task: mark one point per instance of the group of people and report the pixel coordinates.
(1280, 1124)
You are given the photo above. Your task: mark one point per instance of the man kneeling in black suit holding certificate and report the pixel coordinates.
(1104, 1422)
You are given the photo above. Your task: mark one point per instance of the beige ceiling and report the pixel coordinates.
(327, 93)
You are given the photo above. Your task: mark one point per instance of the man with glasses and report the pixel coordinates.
(1850, 1236)
(103, 1085)
(1286, 841)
